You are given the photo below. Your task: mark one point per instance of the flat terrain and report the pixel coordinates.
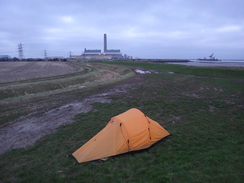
(14, 71)
(212, 64)
(43, 121)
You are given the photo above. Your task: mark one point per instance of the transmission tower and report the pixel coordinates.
(21, 51)
(45, 54)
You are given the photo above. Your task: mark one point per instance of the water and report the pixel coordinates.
(224, 63)
(232, 60)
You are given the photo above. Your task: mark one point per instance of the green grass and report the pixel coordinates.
(10, 114)
(189, 70)
(204, 115)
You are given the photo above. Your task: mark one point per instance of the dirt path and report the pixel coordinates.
(26, 132)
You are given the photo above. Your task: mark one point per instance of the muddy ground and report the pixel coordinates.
(26, 131)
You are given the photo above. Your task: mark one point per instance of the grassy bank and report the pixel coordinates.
(21, 97)
(204, 115)
(98, 73)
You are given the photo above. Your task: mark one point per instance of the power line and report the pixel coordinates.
(45, 54)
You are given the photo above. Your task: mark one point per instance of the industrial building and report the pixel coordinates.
(98, 54)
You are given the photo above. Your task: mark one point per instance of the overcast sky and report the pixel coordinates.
(140, 28)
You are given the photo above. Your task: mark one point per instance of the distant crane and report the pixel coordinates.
(211, 56)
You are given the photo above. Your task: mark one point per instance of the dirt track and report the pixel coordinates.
(24, 132)
(28, 129)
(14, 71)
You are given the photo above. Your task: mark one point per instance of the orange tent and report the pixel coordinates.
(129, 131)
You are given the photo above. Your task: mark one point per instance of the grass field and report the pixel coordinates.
(201, 107)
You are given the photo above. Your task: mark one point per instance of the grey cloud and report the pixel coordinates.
(150, 29)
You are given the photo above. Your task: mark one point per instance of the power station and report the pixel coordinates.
(106, 54)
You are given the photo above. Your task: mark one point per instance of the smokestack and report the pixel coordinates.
(105, 43)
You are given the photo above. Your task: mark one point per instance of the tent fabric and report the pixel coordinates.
(129, 131)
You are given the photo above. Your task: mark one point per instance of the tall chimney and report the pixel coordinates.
(105, 43)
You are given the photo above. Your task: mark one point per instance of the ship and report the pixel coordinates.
(210, 58)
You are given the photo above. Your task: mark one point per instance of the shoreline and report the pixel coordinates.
(211, 63)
